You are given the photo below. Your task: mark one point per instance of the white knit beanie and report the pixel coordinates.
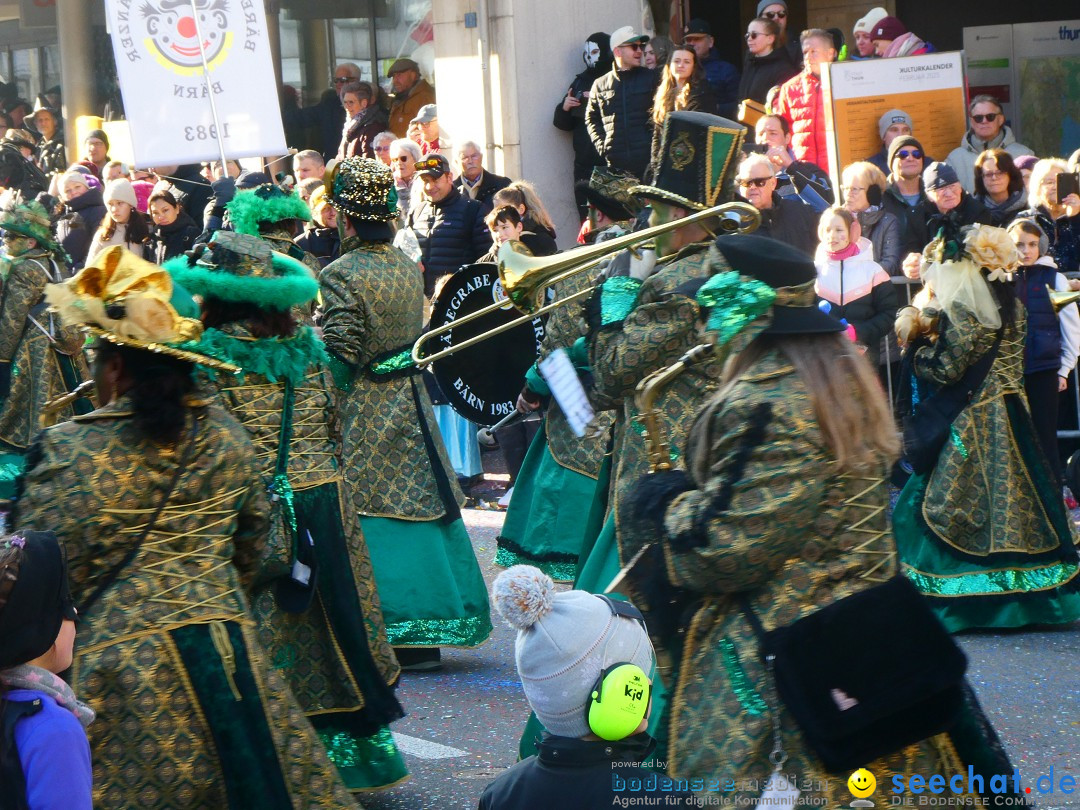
(866, 23)
(122, 191)
(565, 640)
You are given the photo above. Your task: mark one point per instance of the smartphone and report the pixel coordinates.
(1067, 184)
(755, 148)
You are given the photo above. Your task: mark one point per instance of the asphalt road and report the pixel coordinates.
(463, 723)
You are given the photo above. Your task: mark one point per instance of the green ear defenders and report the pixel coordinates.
(620, 697)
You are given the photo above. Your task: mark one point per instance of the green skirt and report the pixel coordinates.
(543, 525)
(430, 585)
(1001, 589)
(602, 563)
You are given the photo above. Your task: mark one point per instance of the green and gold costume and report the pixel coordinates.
(398, 476)
(557, 483)
(334, 655)
(984, 535)
(768, 516)
(44, 360)
(636, 329)
(191, 713)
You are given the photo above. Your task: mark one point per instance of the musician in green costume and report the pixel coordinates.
(398, 477)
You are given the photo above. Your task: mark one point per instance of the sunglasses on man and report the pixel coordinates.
(634, 46)
(756, 182)
(988, 117)
(904, 154)
(775, 15)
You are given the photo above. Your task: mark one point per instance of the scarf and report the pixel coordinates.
(846, 253)
(37, 679)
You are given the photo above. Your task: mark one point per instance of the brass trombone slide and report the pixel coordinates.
(525, 279)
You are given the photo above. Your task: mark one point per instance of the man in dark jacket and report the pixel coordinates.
(474, 181)
(786, 219)
(449, 227)
(617, 115)
(582, 659)
(946, 205)
(904, 194)
(723, 77)
(570, 112)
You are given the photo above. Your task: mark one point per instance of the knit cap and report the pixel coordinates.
(100, 135)
(764, 4)
(890, 118)
(900, 143)
(888, 28)
(122, 191)
(867, 22)
(565, 640)
(73, 176)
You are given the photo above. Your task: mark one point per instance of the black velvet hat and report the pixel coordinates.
(697, 161)
(610, 192)
(38, 602)
(791, 274)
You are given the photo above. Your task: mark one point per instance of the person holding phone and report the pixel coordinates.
(1056, 213)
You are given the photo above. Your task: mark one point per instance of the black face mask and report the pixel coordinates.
(39, 602)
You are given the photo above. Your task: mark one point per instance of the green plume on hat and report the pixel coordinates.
(30, 219)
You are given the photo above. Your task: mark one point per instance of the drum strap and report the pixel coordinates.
(442, 480)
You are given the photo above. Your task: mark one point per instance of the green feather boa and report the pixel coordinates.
(247, 209)
(273, 358)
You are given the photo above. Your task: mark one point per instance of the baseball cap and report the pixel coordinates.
(401, 65)
(426, 114)
(625, 36)
(434, 165)
(697, 26)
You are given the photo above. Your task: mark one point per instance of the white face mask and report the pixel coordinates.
(591, 54)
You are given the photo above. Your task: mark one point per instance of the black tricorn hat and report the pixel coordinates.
(697, 161)
(791, 274)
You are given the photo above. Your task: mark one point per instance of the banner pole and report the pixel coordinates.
(210, 90)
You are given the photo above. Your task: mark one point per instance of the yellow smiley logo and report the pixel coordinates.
(861, 783)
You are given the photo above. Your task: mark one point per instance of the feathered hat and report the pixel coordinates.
(240, 267)
(129, 301)
(30, 219)
(265, 203)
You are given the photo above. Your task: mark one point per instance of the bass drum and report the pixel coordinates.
(482, 382)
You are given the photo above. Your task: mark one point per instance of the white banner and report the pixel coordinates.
(166, 96)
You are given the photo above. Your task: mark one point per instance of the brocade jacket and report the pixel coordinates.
(767, 516)
(27, 335)
(170, 634)
(662, 326)
(372, 313)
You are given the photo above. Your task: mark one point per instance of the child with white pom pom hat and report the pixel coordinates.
(585, 663)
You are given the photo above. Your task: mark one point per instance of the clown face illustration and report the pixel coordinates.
(173, 32)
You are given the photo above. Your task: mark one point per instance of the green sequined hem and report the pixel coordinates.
(1003, 581)
(471, 631)
(11, 467)
(400, 361)
(364, 763)
(748, 697)
(618, 297)
(558, 571)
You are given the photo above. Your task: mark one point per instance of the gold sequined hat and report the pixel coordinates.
(362, 188)
(697, 161)
(127, 300)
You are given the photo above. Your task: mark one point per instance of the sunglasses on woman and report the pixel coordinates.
(754, 34)
(988, 117)
(756, 182)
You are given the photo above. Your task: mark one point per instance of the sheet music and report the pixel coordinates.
(562, 379)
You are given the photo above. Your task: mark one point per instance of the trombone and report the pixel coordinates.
(525, 279)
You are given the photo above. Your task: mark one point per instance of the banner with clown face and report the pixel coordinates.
(159, 62)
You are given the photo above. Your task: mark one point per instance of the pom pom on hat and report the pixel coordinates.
(522, 595)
